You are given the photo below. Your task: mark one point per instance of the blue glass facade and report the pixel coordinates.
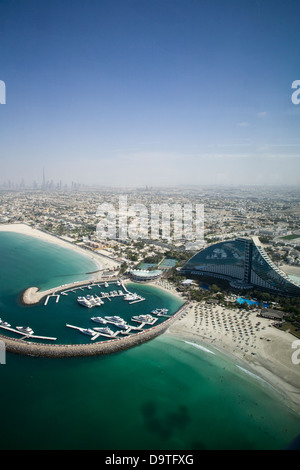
(245, 263)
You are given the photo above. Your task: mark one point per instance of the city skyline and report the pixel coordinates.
(127, 93)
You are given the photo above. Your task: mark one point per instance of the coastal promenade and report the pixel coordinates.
(91, 349)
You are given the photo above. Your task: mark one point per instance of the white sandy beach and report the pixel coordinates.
(102, 262)
(250, 341)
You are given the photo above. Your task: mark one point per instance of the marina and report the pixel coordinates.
(122, 316)
(98, 294)
(90, 301)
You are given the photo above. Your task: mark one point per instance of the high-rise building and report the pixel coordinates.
(44, 179)
(244, 263)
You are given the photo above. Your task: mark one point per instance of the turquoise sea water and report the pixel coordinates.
(166, 394)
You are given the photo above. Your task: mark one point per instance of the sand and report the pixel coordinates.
(292, 270)
(102, 262)
(250, 341)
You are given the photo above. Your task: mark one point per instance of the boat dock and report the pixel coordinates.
(143, 323)
(52, 295)
(27, 336)
(137, 301)
(104, 295)
(96, 335)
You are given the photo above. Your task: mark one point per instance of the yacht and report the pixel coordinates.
(159, 311)
(88, 331)
(131, 297)
(106, 284)
(115, 320)
(143, 318)
(98, 299)
(122, 326)
(85, 302)
(105, 331)
(25, 329)
(4, 323)
(95, 301)
(99, 320)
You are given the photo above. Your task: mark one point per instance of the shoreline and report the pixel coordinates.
(101, 262)
(262, 350)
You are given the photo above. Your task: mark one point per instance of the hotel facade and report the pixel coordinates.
(244, 263)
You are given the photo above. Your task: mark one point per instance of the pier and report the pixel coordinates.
(137, 301)
(52, 295)
(96, 335)
(27, 336)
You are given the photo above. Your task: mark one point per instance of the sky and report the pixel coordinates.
(150, 92)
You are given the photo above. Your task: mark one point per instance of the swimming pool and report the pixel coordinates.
(242, 300)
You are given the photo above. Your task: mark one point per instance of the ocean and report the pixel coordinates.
(166, 394)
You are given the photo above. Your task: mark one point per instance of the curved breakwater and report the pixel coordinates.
(33, 296)
(100, 348)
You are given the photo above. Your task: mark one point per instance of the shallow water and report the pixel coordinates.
(166, 394)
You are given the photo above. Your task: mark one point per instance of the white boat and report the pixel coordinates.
(160, 311)
(115, 320)
(88, 331)
(129, 297)
(99, 320)
(105, 331)
(143, 318)
(122, 326)
(98, 300)
(4, 323)
(106, 284)
(25, 329)
(83, 301)
(95, 302)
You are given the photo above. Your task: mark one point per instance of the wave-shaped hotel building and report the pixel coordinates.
(244, 263)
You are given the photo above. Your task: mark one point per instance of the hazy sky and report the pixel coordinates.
(153, 92)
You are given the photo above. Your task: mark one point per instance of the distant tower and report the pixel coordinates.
(44, 179)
